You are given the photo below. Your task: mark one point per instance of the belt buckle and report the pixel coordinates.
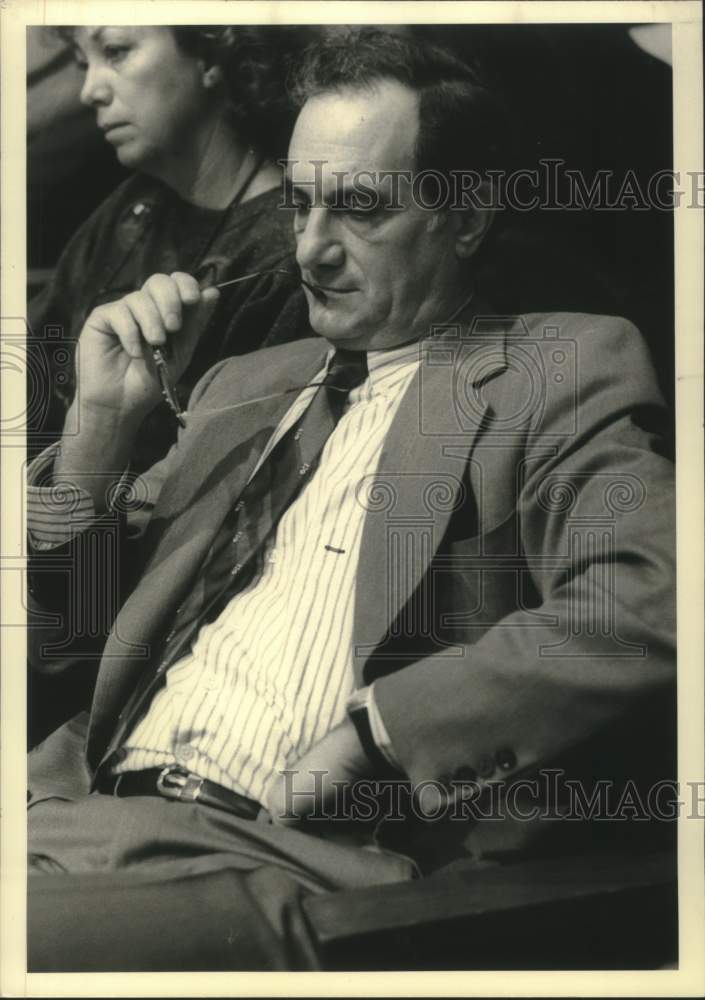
(175, 782)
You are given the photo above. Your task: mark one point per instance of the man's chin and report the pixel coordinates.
(333, 324)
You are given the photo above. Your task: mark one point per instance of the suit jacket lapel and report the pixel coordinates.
(420, 478)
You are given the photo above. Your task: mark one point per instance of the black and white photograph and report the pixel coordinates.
(351, 608)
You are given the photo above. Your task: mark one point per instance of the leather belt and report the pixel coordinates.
(175, 782)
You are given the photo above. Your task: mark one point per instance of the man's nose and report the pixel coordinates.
(316, 244)
(95, 90)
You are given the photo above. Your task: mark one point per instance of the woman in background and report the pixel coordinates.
(201, 115)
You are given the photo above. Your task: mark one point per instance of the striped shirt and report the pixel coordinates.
(271, 675)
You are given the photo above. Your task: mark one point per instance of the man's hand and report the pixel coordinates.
(117, 381)
(339, 755)
(115, 367)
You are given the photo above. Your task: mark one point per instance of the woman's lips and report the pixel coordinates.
(111, 130)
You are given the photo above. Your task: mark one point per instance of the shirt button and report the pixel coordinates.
(162, 667)
(183, 752)
(298, 435)
(236, 569)
(239, 505)
(237, 536)
(138, 209)
(303, 469)
(170, 636)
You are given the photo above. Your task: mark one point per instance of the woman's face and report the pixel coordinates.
(149, 96)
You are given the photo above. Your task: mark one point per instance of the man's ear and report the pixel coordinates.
(472, 222)
(471, 227)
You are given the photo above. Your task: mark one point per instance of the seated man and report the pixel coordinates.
(431, 546)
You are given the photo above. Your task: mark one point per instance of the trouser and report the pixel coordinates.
(151, 884)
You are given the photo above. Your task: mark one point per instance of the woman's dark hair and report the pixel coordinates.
(461, 119)
(255, 61)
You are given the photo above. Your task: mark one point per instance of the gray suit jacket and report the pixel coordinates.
(515, 595)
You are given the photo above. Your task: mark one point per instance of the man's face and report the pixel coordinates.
(385, 274)
(147, 93)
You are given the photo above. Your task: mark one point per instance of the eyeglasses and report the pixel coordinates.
(274, 270)
(167, 386)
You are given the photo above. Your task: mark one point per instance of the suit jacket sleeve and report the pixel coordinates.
(517, 695)
(76, 589)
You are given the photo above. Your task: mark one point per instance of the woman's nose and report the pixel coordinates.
(95, 90)
(316, 245)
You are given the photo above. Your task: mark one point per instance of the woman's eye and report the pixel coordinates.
(79, 59)
(114, 53)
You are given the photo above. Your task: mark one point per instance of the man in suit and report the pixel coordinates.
(433, 545)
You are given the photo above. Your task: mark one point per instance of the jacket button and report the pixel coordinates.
(486, 766)
(506, 758)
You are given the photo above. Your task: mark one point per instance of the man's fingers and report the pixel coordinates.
(117, 320)
(147, 316)
(165, 293)
(191, 293)
(187, 286)
(209, 296)
(155, 311)
(175, 296)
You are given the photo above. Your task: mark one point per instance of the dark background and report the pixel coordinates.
(586, 94)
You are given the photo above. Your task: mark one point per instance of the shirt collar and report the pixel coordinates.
(385, 367)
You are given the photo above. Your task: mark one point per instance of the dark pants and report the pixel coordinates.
(149, 884)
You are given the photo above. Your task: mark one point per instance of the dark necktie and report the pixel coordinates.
(274, 487)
